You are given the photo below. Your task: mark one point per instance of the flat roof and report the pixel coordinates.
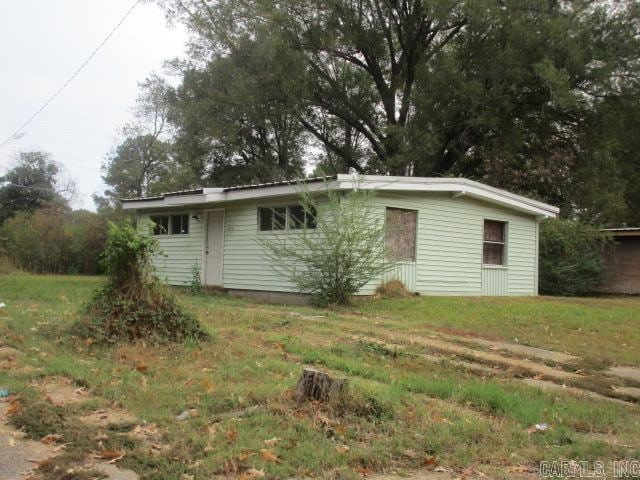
(457, 186)
(623, 231)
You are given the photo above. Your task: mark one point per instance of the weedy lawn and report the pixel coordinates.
(407, 411)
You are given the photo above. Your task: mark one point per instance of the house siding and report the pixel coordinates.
(245, 265)
(448, 248)
(178, 253)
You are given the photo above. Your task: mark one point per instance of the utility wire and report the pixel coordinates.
(74, 75)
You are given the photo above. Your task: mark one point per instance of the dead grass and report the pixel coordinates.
(392, 289)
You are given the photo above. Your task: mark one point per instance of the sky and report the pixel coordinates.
(42, 43)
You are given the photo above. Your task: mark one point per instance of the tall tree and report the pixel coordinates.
(31, 183)
(142, 164)
(505, 91)
(236, 115)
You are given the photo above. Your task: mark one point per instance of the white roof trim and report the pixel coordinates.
(458, 186)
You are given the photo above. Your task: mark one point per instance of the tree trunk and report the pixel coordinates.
(317, 385)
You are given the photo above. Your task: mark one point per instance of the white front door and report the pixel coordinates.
(214, 247)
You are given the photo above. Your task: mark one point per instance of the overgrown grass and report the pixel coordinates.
(405, 410)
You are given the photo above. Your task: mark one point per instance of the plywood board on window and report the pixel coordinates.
(400, 236)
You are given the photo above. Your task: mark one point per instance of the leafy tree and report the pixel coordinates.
(142, 164)
(32, 182)
(571, 257)
(237, 116)
(523, 95)
(55, 239)
(338, 257)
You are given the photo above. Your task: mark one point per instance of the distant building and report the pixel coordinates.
(623, 262)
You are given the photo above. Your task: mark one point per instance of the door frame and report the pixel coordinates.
(205, 263)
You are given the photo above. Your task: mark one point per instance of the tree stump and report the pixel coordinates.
(317, 385)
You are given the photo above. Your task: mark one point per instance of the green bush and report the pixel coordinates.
(338, 257)
(571, 257)
(133, 304)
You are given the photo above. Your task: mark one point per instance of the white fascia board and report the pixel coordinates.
(456, 185)
(142, 205)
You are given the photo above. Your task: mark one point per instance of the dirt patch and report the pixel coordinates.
(61, 391)
(106, 417)
(477, 356)
(8, 353)
(112, 471)
(629, 392)
(8, 358)
(442, 473)
(150, 436)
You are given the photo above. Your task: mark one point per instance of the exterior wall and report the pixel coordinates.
(245, 267)
(179, 252)
(449, 246)
(622, 273)
(448, 250)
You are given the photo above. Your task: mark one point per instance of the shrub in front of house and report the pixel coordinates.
(133, 304)
(337, 249)
(571, 257)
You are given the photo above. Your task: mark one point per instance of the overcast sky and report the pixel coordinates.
(42, 44)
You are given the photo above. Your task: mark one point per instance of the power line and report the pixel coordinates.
(74, 75)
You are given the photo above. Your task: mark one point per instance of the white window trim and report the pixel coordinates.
(287, 221)
(169, 215)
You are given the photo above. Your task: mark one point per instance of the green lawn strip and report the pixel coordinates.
(594, 328)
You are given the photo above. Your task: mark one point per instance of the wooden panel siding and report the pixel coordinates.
(179, 253)
(245, 265)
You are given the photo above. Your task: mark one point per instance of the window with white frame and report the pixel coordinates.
(170, 224)
(291, 217)
(494, 243)
(272, 218)
(160, 224)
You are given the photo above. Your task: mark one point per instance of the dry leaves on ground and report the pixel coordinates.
(111, 456)
(51, 438)
(271, 442)
(268, 456)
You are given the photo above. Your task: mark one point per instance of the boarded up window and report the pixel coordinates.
(400, 237)
(493, 245)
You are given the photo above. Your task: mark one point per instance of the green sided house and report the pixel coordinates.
(459, 237)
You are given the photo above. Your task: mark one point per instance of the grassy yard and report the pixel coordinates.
(405, 412)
